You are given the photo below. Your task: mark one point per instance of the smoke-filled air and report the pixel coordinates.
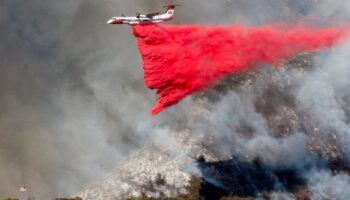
(180, 60)
(250, 100)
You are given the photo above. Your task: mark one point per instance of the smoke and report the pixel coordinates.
(74, 103)
(64, 95)
(324, 185)
(324, 96)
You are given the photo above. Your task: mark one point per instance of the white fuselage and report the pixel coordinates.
(143, 19)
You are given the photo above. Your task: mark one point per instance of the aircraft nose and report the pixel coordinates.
(115, 21)
(111, 21)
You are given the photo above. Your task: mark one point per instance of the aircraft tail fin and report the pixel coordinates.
(171, 6)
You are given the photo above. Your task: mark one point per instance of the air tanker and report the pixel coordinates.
(151, 18)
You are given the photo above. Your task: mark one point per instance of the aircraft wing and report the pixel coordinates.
(152, 14)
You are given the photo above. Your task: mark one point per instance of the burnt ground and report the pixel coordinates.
(246, 179)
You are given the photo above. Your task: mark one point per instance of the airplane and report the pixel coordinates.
(145, 19)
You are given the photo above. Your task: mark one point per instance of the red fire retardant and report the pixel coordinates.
(181, 60)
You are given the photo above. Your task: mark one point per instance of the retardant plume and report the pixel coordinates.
(181, 60)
